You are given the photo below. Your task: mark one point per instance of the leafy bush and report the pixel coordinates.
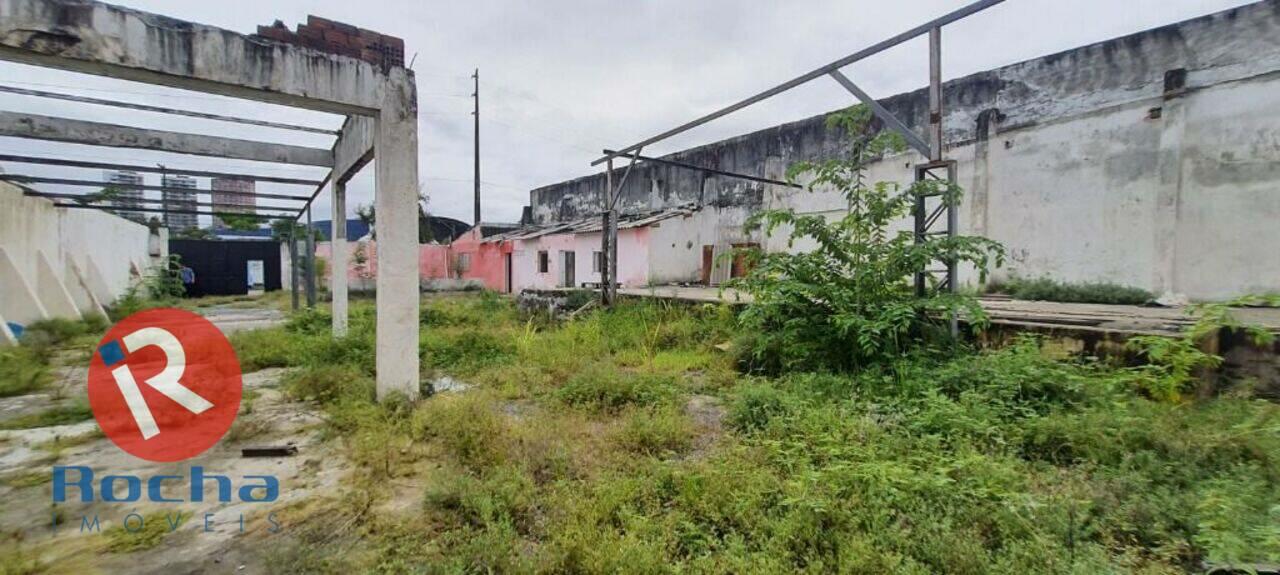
(610, 390)
(850, 302)
(22, 371)
(1046, 289)
(329, 383)
(756, 405)
(465, 350)
(1172, 364)
(466, 425)
(655, 431)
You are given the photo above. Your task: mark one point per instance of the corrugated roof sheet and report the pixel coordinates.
(594, 224)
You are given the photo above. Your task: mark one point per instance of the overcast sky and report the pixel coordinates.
(563, 79)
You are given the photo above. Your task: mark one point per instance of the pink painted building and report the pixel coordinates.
(467, 261)
(655, 248)
(652, 250)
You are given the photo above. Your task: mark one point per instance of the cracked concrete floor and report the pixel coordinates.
(209, 537)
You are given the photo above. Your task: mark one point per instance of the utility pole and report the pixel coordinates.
(476, 96)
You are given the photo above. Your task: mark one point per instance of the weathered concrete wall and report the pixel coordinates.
(45, 245)
(1149, 160)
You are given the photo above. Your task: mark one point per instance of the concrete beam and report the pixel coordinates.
(87, 303)
(396, 201)
(338, 259)
(18, 302)
(114, 41)
(6, 334)
(38, 127)
(52, 292)
(354, 147)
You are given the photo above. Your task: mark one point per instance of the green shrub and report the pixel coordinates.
(150, 533)
(59, 331)
(329, 383)
(1046, 289)
(263, 348)
(63, 415)
(850, 303)
(500, 496)
(655, 431)
(465, 350)
(22, 371)
(609, 390)
(466, 425)
(755, 405)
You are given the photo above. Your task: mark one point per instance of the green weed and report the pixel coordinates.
(609, 390)
(62, 415)
(144, 534)
(1046, 289)
(22, 371)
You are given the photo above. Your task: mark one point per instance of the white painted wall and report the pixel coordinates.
(1185, 203)
(32, 228)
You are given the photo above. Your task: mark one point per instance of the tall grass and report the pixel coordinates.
(1046, 289)
(575, 453)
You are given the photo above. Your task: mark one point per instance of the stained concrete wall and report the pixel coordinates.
(45, 244)
(1149, 160)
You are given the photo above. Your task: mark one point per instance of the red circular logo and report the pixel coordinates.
(164, 384)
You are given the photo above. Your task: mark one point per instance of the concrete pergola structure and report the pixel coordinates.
(380, 104)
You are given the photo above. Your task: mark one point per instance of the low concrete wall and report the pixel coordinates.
(46, 246)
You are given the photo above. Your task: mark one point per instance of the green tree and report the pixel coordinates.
(194, 234)
(238, 221)
(850, 301)
(105, 194)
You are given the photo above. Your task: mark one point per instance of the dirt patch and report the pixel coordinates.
(707, 413)
(208, 537)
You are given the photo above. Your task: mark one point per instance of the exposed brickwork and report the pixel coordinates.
(339, 38)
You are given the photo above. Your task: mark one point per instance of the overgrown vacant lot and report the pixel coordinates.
(628, 441)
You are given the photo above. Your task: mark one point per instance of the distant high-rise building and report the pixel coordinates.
(126, 197)
(175, 199)
(241, 196)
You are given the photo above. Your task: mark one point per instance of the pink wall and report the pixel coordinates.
(434, 261)
(487, 260)
(370, 270)
(633, 257)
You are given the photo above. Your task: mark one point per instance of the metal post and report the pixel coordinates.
(935, 93)
(606, 253)
(476, 113)
(293, 264)
(311, 262)
(917, 212)
(935, 121)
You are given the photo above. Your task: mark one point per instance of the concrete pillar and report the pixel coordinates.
(52, 292)
(6, 334)
(338, 259)
(396, 202)
(1168, 196)
(18, 301)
